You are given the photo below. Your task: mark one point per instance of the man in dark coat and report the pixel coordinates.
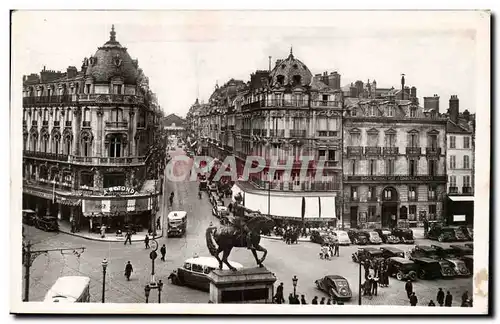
(336, 248)
(128, 270)
(413, 299)
(448, 299)
(375, 285)
(465, 298)
(426, 227)
(279, 294)
(409, 288)
(163, 251)
(128, 238)
(146, 241)
(315, 300)
(158, 227)
(303, 300)
(440, 297)
(291, 299)
(431, 303)
(322, 302)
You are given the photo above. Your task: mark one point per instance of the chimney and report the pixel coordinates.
(270, 58)
(353, 93)
(454, 108)
(402, 87)
(324, 78)
(71, 72)
(413, 92)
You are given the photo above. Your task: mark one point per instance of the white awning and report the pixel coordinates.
(328, 207)
(256, 202)
(286, 206)
(461, 198)
(312, 207)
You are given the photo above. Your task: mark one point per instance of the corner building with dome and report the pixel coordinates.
(86, 142)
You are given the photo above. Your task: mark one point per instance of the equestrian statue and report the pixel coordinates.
(242, 230)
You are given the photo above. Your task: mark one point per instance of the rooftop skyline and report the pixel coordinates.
(185, 54)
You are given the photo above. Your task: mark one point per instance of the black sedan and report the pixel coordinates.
(337, 287)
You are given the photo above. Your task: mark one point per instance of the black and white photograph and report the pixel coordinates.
(289, 162)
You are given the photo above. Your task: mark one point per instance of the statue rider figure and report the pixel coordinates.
(240, 221)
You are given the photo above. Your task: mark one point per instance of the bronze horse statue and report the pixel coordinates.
(223, 238)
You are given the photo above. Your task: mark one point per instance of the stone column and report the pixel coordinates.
(99, 137)
(313, 125)
(132, 129)
(77, 114)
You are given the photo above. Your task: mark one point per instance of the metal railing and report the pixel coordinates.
(49, 99)
(373, 150)
(325, 103)
(118, 98)
(117, 124)
(354, 150)
(411, 150)
(433, 151)
(46, 155)
(391, 150)
(297, 133)
(97, 160)
(453, 190)
(466, 190)
(294, 186)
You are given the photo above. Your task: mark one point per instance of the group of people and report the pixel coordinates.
(376, 275)
(328, 250)
(293, 298)
(441, 298)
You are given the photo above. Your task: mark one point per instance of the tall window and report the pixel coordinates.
(466, 142)
(466, 181)
(453, 140)
(389, 167)
(116, 115)
(372, 140)
(372, 111)
(373, 167)
(432, 141)
(33, 140)
(466, 162)
(390, 140)
(277, 96)
(453, 184)
(45, 143)
(432, 212)
(86, 145)
(413, 112)
(115, 146)
(117, 89)
(412, 193)
(388, 194)
(432, 166)
(25, 143)
(67, 145)
(413, 140)
(354, 193)
(355, 139)
(55, 143)
(453, 161)
(332, 155)
(431, 194)
(390, 111)
(412, 167)
(371, 193)
(413, 212)
(353, 167)
(86, 117)
(372, 211)
(87, 88)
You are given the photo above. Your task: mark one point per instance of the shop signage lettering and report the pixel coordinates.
(118, 190)
(116, 206)
(396, 178)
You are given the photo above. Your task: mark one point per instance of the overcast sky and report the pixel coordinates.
(185, 53)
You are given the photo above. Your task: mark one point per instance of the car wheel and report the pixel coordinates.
(421, 274)
(440, 238)
(412, 275)
(399, 276)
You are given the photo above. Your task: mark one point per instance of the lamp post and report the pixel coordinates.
(104, 264)
(359, 283)
(160, 286)
(294, 281)
(147, 289)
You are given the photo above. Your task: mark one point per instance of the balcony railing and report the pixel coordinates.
(395, 178)
(373, 150)
(116, 124)
(86, 124)
(325, 103)
(96, 160)
(391, 150)
(354, 151)
(45, 123)
(295, 186)
(297, 133)
(413, 150)
(46, 155)
(34, 123)
(433, 151)
(332, 163)
(141, 125)
(466, 190)
(277, 133)
(57, 123)
(49, 99)
(111, 98)
(68, 123)
(453, 190)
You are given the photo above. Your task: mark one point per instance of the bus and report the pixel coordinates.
(69, 289)
(177, 223)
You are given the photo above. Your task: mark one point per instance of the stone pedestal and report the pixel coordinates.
(252, 285)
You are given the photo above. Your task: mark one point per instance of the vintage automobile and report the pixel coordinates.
(322, 237)
(470, 245)
(194, 272)
(427, 268)
(469, 262)
(460, 235)
(423, 251)
(450, 254)
(390, 252)
(358, 237)
(405, 235)
(342, 237)
(469, 231)
(447, 269)
(367, 253)
(387, 236)
(177, 223)
(29, 217)
(337, 287)
(442, 234)
(461, 249)
(402, 269)
(212, 187)
(373, 237)
(47, 223)
(219, 210)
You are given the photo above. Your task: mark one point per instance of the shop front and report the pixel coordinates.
(460, 210)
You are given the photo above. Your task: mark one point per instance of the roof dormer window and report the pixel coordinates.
(297, 79)
(280, 79)
(295, 66)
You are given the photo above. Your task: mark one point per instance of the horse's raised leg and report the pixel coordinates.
(258, 247)
(254, 252)
(219, 250)
(225, 255)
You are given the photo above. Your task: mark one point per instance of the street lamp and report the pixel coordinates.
(104, 264)
(294, 281)
(147, 289)
(359, 283)
(160, 285)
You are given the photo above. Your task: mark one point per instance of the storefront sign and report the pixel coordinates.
(118, 190)
(395, 178)
(459, 218)
(116, 206)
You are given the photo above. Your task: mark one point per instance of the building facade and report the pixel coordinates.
(86, 137)
(394, 161)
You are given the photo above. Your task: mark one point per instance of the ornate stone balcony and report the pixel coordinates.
(395, 179)
(373, 150)
(110, 98)
(411, 150)
(433, 151)
(116, 125)
(42, 100)
(326, 103)
(354, 151)
(45, 156)
(112, 161)
(391, 150)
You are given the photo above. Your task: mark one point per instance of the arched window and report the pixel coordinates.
(67, 144)
(297, 79)
(86, 145)
(86, 117)
(117, 115)
(280, 79)
(33, 142)
(56, 139)
(45, 143)
(49, 91)
(115, 146)
(43, 172)
(25, 142)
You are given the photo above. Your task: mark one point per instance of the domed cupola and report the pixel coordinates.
(112, 60)
(290, 72)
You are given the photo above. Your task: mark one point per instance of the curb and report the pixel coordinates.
(106, 240)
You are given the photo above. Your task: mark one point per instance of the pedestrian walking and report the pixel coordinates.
(158, 224)
(431, 303)
(322, 302)
(329, 301)
(128, 270)
(440, 297)
(337, 248)
(279, 294)
(291, 299)
(315, 300)
(426, 227)
(375, 285)
(163, 251)
(413, 299)
(303, 300)
(171, 199)
(448, 299)
(146, 241)
(128, 238)
(465, 298)
(409, 288)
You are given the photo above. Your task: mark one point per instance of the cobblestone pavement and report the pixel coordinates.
(284, 260)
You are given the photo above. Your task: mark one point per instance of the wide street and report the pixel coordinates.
(284, 260)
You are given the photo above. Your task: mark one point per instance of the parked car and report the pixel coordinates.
(29, 217)
(450, 254)
(390, 252)
(460, 235)
(469, 262)
(469, 231)
(219, 210)
(427, 268)
(461, 249)
(387, 236)
(322, 237)
(337, 287)
(367, 253)
(212, 187)
(342, 237)
(357, 237)
(442, 234)
(47, 223)
(425, 251)
(470, 245)
(405, 235)
(373, 237)
(402, 269)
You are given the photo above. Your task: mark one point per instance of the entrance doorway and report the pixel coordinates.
(390, 203)
(354, 216)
